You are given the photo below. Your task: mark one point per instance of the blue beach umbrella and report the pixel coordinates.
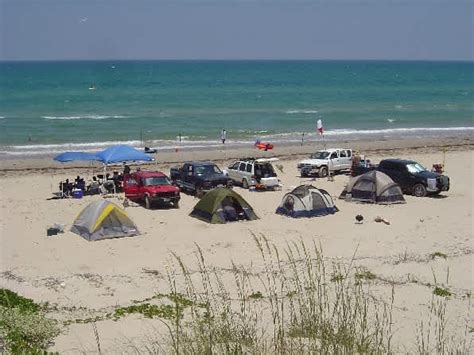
(76, 156)
(121, 153)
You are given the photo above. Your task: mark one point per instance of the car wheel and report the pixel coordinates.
(245, 184)
(419, 190)
(302, 174)
(147, 202)
(323, 171)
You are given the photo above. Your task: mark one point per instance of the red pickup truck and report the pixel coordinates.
(150, 187)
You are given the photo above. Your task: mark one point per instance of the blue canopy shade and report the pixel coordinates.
(75, 156)
(121, 153)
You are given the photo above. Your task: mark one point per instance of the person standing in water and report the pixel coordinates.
(223, 135)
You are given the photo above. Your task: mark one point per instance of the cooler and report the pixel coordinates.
(77, 193)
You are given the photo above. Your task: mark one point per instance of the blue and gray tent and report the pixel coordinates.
(307, 201)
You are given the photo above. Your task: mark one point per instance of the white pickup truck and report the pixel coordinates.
(325, 161)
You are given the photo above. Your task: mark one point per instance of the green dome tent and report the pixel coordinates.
(222, 205)
(103, 219)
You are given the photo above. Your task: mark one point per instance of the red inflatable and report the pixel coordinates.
(264, 146)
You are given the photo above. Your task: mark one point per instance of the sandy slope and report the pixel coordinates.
(70, 271)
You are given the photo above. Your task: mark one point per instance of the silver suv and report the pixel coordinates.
(254, 172)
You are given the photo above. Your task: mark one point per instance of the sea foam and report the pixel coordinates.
(83, 117)
(294, 112)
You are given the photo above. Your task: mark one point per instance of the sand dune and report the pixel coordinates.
(69, 271)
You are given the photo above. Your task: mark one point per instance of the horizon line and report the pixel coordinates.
(237, 60)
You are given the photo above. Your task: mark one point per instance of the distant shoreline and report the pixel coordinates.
(37, 150)
(224, 153)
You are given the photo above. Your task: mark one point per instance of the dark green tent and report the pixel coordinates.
(223, 205)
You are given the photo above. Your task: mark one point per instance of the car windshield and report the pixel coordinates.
(320, 155)
(207, 170)
(415, 168)
(156, 180)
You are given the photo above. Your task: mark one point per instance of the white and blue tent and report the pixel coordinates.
(307, 201)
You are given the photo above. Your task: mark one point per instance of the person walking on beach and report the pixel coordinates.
(223, 135)
(126, 169)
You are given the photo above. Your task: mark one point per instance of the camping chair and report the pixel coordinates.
(93, 188)
(108, 187)
(65, 189)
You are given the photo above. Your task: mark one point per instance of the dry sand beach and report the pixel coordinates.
(427, 244)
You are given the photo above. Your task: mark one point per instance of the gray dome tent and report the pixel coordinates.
(103, 219)
(373, 187)
(306, 201)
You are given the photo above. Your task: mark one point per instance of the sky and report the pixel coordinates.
(236, 29)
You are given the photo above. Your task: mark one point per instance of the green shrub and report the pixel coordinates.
(10, 299)
(365, 275)
(442, 292)
(26, 332)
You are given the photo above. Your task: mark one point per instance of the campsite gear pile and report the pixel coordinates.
(102, 220)
(307, 201)
(373, 187)
(55, 229)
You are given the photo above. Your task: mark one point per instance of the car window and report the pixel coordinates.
(234, 166)
(264, 170)
(349, 153)
(333, 155)
(343, 154)
(415, 168)
(242, 167)
(131, 181)
(249, 168)
(400, 167)
(207, 170)
(320, 155)
(156, 180)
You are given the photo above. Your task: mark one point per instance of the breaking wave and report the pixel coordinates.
(295, 112)
(202, 142)
(83, 117)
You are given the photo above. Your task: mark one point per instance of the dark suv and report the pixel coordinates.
(199, 177)
(413, 178)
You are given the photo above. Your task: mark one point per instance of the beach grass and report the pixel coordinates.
(289, 306)
(292, 300)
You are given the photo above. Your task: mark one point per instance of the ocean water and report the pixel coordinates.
(48, 107)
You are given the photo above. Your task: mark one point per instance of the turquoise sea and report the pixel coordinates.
(48, 107)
